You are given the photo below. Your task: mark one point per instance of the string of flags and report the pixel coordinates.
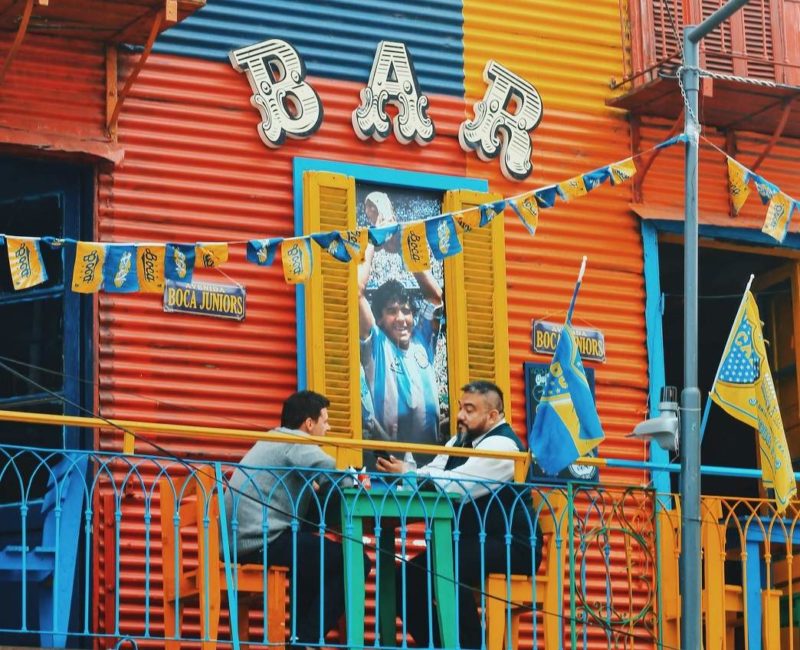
(144, 267)
(780, 206)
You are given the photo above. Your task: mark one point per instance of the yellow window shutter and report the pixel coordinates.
(476, 302)
(331, 310)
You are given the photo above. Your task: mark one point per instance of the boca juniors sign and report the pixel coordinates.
(591, 342)
(290, 107)
(217, 300)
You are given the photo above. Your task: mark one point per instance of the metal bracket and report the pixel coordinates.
(116, 100)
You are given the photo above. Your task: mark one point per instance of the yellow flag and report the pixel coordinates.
(469, 220)
(572, 189)
(150, 267)
(622, 171)
(743, 387)
(528, 212)
(415, 247)
(87, 275)
(210, 254)
(356, 242)
(296, 258)
(25, 261)
(778, 214)
(738, 179)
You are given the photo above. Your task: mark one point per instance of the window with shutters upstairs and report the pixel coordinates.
(387, 343)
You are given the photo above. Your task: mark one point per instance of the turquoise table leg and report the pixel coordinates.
(386, 588)
(444, 581)
(354, 582)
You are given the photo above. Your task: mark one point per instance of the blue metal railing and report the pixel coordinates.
(161, 552)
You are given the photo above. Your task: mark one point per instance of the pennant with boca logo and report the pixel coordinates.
(297, 259)
(25, 262)
(119, 269)
(572, 188)
(87, 274)
(442, 236)
(622, 171)
(262, 251)
(211, 254)
(738, 189)
(179, 262)
(490, 210)
(546, 196)
(356, 242)
(467, 220)
(379, 235)
(333, 244)
(150, 267)
(595, 178)
(765, 189)
(528, 212)
(779, 214)
(414, 246)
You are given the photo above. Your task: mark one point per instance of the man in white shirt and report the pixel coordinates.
(491, 505)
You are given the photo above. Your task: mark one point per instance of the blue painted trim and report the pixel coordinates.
(739, 235)
(366, 174)
(655, 343)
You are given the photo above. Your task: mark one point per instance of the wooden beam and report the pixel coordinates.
(787, 109)
(111, 89)
(148, 47)
(786, 253)
(21, 30)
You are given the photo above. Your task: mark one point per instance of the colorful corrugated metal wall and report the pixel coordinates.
(195, 169)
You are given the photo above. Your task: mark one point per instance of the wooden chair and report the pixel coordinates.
(669, 522)
(195, 501)
(52, 528)
(515, 591)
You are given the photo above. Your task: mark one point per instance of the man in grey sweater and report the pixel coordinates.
(270, 497)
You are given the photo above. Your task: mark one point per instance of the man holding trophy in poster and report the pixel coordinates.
(398, 344)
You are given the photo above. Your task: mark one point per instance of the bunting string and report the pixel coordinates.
(780, 206)
(145, 267)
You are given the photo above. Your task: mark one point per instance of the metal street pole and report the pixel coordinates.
(690, 567)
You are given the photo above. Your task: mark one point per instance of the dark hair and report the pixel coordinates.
(483, 387)
(301, 405)
(389, 292)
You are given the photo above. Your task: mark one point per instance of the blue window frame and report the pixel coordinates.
(45, 329)
(384, 176)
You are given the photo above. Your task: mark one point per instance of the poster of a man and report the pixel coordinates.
(401, 317)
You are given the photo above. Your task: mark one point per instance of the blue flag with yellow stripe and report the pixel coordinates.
(567, 425)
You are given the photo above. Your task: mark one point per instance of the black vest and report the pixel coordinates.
(492, 513)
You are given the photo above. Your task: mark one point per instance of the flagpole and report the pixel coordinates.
(575, 293)
(708, 399)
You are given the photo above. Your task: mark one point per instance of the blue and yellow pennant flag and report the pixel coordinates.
(567, 425)
(572, 189)
(119, 269)
(211, 254)
(443, 237)
(622, 171)
(489, 211)
(414, 247)
(527, 210)
(779, 214)
(150, 267)
(179, 262)
(25, 262)
(743, 387)
(738, 188)
(262, 251)
(333, 244)
(87, 274)
(297, 259)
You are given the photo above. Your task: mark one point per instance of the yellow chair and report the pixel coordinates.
(205, 584)
(669, 523)
(515, 591)
(724, 604)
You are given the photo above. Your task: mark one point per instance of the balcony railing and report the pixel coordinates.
(145, 550)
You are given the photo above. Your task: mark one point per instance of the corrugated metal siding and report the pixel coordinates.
(336, 39)
(54, 87)
(664, 185)
(572, 50)
(195, 169)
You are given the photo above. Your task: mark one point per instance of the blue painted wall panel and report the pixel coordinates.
(336, 38)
